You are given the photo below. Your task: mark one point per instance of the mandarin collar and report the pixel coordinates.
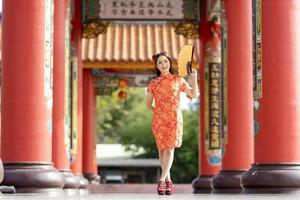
(165, 76)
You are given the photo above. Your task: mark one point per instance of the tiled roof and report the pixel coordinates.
(132, 46)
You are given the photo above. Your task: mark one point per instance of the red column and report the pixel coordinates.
(59, 149)
(76, 164)
(238, 152)
(89, 167)
(202, 184)
(27, 97)
(277, 143)
(1, 164)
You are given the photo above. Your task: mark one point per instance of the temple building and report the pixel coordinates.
(53, 52)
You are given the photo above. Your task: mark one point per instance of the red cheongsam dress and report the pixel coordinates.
(167, 122)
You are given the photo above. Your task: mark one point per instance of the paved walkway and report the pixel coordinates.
(150, 197)
(135, 188)
(141, 192)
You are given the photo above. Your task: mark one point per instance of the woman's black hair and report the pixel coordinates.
(155, 58)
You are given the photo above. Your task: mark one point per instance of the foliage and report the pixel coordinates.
(130, 123)
(185, 166)
(112, 114)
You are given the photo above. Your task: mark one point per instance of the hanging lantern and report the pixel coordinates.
(123, 83)
(122, 95)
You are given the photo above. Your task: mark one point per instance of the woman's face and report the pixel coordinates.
(163, 64)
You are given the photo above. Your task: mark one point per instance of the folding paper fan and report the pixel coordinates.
(185, 58)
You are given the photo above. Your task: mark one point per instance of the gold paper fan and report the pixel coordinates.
(185, 58)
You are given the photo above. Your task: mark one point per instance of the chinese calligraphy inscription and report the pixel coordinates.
(142, 9)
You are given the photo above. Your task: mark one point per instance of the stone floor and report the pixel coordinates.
(135, 188)
(140, 192)
(148, 197)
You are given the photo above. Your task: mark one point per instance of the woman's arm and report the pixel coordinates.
(193, 92)
(149, 101)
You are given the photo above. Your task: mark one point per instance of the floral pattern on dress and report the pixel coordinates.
(167, 121)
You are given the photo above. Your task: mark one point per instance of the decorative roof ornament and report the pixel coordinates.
(94, 28)
(188, 29)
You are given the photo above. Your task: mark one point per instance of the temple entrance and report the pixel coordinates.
(122, 67)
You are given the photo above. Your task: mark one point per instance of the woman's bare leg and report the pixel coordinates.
(168, 178)
(160, 156)
(166, 163)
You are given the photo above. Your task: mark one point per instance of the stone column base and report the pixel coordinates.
(279, 178)
(1, 171)
(83, 184)
(227, 182)
(71, 181)
(92, 178)
(7, 189)
(33, 178)
(202, 184)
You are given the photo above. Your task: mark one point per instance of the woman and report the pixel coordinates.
(163, 98)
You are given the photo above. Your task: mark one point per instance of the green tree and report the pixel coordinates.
(185, 166)
(112, 114)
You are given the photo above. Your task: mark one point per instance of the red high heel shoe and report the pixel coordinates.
(161, 188)
(169, 188)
